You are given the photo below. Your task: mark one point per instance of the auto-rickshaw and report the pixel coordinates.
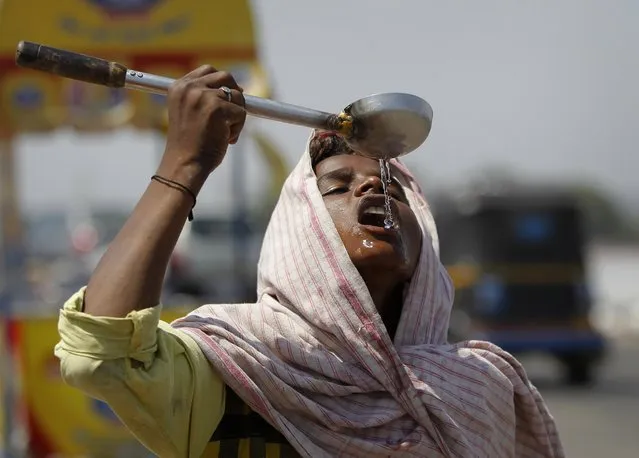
(518, 264)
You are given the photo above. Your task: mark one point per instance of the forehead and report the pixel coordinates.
(360, 165)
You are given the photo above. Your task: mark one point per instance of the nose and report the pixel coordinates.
(370, 185)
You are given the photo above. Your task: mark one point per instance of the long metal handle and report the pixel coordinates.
(112, 74)
(256, 106)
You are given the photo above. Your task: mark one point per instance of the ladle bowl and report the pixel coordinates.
(392, 124)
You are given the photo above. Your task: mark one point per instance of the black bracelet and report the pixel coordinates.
(178, 186)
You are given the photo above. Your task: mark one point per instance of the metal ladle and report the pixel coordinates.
(380, 126)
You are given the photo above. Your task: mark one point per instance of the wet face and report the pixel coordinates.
(353, 194)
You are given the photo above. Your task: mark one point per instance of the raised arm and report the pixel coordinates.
(202, 123)
(113, 346)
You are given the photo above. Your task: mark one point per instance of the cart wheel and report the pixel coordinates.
(579, 373)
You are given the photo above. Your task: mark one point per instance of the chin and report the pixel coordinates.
(382, 256)
(373, 248)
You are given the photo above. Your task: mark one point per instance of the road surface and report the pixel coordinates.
(601, 421)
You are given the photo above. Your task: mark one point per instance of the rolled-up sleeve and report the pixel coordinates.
(154, 377)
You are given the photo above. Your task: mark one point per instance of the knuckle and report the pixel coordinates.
(190, 85)
(226, 77)
(181, 87)
(206, 68)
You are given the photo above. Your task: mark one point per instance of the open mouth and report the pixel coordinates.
(371, 211)
(373, 216)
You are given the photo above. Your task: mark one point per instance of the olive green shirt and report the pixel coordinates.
(154, 377)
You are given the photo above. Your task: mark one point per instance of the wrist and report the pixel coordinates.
(191, 176)
(179, 187)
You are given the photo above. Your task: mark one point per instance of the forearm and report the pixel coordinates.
(131, 272)
(203, 120)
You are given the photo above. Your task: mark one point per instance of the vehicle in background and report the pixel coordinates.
(518, 264)
(52, 235)
(215, 260)
(92, 232)
(63, 247)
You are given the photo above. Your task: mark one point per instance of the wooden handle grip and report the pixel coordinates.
(70, 64)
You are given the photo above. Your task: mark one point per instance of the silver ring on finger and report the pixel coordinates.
(227, 92)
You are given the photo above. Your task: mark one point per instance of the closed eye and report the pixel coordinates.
(336, 190)
(335, 182)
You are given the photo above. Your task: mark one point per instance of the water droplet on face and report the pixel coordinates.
(384, 166)
(368, 244)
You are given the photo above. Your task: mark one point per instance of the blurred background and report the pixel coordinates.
(530, 169)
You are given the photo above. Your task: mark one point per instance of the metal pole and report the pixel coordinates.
(256, 106)
(12, 267)
(239, 216)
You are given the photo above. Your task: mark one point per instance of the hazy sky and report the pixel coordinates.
(548, 89)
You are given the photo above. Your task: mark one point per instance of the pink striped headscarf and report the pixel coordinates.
(313, 358)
